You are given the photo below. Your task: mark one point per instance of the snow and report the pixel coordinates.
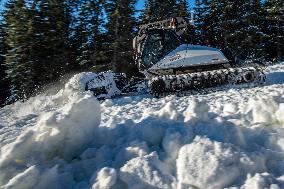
(146, 172)
(105, 178)
(232, 138)
(216, 160)
(60, 133)
(263, 180)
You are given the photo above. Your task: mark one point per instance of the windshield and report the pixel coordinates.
(157, 46)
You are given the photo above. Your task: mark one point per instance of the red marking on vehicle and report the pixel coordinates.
(175, 57)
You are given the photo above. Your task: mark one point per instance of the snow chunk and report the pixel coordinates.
(151, 130)
(261, 110)
(63, 133)
(230, 108)
(208, 164)
(36, 177)
(174, 139)
(146, 172)
(106, 178)
(168, 111)
(26, 179)
(280, 114)
(78, 82)
(136, 149)
(196, 110)
(260, 181)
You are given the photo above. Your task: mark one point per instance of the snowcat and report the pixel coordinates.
(171, 66)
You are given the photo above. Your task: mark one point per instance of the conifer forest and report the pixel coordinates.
(42, 40)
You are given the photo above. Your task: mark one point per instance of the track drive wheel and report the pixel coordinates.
(157, 87)
(248, 76)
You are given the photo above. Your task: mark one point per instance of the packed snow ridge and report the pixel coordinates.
(232, 138)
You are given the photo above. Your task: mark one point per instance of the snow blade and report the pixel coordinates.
(107, 84)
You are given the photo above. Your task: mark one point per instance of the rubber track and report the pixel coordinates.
(199, 82)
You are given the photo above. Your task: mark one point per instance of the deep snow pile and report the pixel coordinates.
(228, 139)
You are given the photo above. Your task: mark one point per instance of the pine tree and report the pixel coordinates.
(149, 13)
(4, 83)
(247, 37)
(88, 32)
(274, 28)
(201, 18)
(212, 29)
(19, 66)
(224, 25)
(183, 11)
(197, 22)
(38, 44)
(156, 10)
(182, 6)
(120, 26)
(51, 22)
(168, 9)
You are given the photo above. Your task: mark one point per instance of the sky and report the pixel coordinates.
(1, 4)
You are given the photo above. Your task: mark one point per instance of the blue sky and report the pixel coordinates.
(1, 4)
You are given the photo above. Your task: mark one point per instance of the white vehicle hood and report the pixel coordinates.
(191, 55)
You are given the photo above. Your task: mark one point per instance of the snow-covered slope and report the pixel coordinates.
(226, 139)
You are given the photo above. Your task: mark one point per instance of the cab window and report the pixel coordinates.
(157, 46)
